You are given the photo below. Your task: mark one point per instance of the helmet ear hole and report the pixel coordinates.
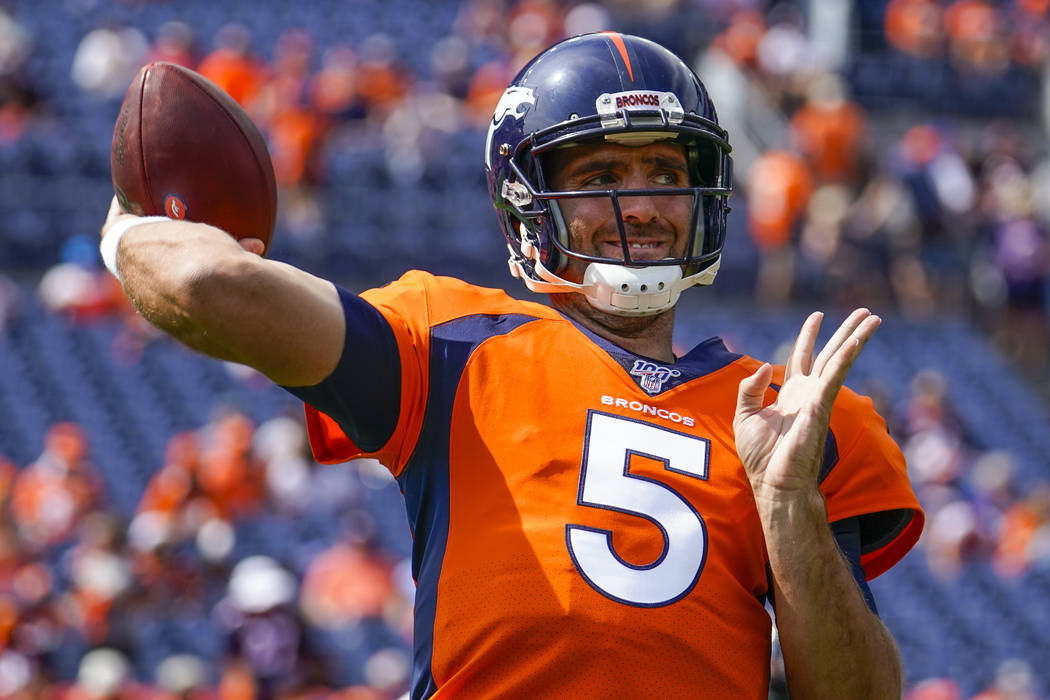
(705, 160)
(559, 232)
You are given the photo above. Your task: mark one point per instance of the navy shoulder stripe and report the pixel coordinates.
(425, 479)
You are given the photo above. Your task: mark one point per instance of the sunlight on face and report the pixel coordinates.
(657, 226)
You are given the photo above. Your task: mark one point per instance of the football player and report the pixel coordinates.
(593, 517)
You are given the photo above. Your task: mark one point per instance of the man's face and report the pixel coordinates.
(657, 227)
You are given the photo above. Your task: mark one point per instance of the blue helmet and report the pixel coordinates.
(621, 89)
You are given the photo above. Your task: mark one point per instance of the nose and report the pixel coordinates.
(638, 209)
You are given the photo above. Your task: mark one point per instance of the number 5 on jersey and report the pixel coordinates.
(605, 482)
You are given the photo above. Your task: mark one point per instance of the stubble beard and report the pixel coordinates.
(575, 305)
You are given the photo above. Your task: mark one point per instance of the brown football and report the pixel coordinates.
(185, 149)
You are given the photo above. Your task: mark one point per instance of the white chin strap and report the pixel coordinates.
(618, 289)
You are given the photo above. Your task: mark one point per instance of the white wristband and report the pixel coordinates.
(111, 239)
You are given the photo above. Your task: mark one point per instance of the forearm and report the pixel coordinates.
(199, 285)
(166, 270)
(834, 646)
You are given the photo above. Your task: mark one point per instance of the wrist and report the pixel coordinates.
(790, 511)
(796, 497)
(114, 233)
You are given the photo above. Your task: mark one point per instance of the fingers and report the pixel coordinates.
(112, 214)
(839, 364)
(844, 332)
(800, 360)
(752, 391)
(252, 245)
(842, 360)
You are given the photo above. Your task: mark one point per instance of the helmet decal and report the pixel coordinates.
(617, 40)
(510, 104)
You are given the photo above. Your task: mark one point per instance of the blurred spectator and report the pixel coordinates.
(1014, 680)
(17, 97)
(382, 78)
(267, 644)
(977, 41)
(15, 44)
(450, 66)
(935, 689)
(104, 674)
(585, 18)
(79, 286)
(229, 473)
(532, 26)
(174, 44)
(99, 575)
(915, 27)
(786, 57)
(333, 89)
(482, 23)
(210, 473)
(1011, 270)
(486, 87)
(232, 66)
(185, 677)
(779, 187)
(107, 59)
(50, 495)
(883, 221)
(280, 443)
(739, 41)
(829, 131)
(346, 583)
(1024, 534)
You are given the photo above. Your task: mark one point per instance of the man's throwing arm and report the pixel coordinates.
(210, 292)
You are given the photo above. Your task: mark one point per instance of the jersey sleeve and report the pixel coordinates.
(396, 385)
(865, 477)
(360, 396)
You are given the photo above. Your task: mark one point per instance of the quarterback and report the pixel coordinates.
(593, 516)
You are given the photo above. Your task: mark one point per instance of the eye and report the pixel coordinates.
(669, 178)
(600, 180)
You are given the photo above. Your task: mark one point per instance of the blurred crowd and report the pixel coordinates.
(977, 509)
(182, 599)
(923, 211)
(77, 576)
(844, 197)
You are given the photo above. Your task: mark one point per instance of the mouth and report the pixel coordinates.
(638, 249)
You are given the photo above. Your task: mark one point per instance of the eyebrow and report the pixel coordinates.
(609, 163)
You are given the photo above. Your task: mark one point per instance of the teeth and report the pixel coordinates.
(643, 245)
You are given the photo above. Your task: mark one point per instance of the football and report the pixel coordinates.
(185, 149)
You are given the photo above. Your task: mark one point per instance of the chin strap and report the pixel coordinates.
(618, 289)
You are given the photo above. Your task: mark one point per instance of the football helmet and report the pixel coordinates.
(619, 89)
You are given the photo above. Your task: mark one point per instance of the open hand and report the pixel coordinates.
(782, 445)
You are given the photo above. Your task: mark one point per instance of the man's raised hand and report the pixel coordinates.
(782, 444)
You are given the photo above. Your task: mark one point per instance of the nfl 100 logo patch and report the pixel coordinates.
(652, 376)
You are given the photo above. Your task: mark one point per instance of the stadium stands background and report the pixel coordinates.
(149, 495)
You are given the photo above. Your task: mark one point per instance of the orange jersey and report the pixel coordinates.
(582, 525)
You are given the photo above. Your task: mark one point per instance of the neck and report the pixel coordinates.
(649, 336)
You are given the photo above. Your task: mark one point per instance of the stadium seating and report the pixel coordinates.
(54, 184)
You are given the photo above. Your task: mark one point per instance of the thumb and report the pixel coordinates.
(752, 392)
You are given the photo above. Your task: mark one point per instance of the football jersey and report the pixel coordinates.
(582, 525)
